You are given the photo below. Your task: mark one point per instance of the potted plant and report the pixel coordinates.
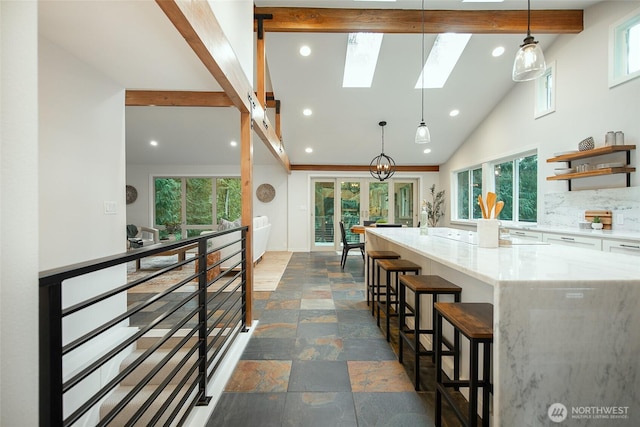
(596, 224)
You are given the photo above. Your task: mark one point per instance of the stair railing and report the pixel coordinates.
(166, 336)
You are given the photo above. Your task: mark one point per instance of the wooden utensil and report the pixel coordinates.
(499, 207)
(491, 201)
(482, 208)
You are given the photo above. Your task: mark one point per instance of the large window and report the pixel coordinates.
(469, 188)
(624, 49)
(184, 206)
(516, 183)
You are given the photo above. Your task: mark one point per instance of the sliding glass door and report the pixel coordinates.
(356, 200)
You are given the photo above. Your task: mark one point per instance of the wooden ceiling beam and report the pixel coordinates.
(361, 168)
(197, 23)
(318, 20)
(174, 98)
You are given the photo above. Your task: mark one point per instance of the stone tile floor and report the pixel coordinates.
(317, 358)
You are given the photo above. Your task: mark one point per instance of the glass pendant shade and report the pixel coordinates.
(529, 63)
(422, 134)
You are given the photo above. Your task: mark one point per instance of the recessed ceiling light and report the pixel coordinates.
(427, 150)
(442, 59)
(305, 51)
(308, 150)
(233, 143)
(361, 60)
(307, 112)
(154, 143)
(498, 51)
(454, 113)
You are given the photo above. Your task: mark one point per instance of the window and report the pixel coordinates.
(624, 49)
(184, 206)
(469, 187)
(516, 183)
(546, 92)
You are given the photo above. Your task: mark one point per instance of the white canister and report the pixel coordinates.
(488, 233)
(619, 138)
(610, 138)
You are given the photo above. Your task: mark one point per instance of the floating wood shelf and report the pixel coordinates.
(591, 153)
(597, 172)
(578, 155)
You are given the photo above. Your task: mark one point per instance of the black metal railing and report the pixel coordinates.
(140, 350)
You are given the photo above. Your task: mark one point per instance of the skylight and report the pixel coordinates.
(442, 59)
(362, 56)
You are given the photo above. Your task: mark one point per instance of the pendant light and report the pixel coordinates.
(382, 167)
(422, 134)
(529, 63)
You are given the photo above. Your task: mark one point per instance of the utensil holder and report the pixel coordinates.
(488, 233)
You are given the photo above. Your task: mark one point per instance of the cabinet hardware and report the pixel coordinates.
(630, 246)
(571, 239)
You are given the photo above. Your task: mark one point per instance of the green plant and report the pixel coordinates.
(435, 208)
(596, 219)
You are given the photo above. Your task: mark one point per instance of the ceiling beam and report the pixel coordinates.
(362, 168)
(197, 23)
(318, 20)
(175, 98)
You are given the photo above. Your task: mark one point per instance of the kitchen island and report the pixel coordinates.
(566, 322)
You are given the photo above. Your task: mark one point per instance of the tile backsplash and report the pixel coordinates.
(566, 209)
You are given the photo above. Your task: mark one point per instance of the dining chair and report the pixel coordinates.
(346, 246)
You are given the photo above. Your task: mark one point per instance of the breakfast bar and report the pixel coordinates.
(566, 322)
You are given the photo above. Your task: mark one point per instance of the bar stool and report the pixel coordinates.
(423, 285)
(371, 289)
(396, 266)
(474, 321)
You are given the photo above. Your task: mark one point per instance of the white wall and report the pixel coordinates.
(141, 177)
(18, 213)
(585, 106)
(300, 204)
(81, 160)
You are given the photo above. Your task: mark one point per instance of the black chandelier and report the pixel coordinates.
(382, 167)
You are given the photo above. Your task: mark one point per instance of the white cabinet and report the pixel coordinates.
(534, 236)
(621, 247)
(573, 241)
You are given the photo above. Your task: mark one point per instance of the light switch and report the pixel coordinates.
(110, 208)
(619, 219)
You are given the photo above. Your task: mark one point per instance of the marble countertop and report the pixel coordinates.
(521, 262)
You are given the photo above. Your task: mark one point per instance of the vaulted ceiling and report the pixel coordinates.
(133, 43)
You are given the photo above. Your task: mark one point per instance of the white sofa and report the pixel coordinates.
(261, 230)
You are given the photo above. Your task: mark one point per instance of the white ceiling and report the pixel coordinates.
(133, 43)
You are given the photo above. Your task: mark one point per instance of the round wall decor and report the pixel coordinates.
(265, 193)
(132, 194)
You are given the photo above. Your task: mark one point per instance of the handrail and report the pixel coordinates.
(213, 314)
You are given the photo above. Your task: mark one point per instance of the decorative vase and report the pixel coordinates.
(424, 222)
(596, 225)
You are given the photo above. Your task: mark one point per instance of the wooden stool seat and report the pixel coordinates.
(396, 266)
(371, 282)
(423, 285)
(474, 321)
